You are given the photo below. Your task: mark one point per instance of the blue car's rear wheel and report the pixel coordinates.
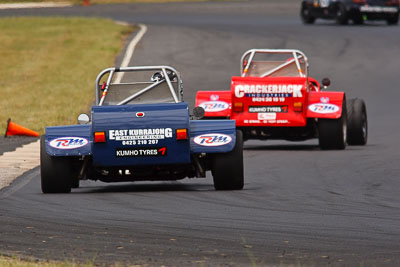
(56, 173)
(227, 168)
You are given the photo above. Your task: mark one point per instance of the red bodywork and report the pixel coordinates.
(263, 103)
(216, 104)
(271, 101)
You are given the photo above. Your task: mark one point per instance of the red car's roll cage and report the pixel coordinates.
(297, 58)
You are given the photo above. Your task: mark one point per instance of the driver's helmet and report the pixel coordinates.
(158, 76)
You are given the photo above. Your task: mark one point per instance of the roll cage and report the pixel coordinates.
(135, 91)
(294, 65)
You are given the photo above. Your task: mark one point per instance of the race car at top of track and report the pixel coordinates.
(274, 98)
(141, 130)
(356, 10)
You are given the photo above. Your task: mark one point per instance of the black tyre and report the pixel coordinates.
(393, 20)
(357, 123)
(56, 172)
(75, 182)
(305, 14)
(227, 168)
(342, 16)
(333, 132)
(358, 20)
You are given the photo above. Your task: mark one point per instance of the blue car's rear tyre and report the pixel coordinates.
(56, 172)
(332, 133)
(227, 168)
(357, 123)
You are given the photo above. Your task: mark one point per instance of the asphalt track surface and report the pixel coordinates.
(300, 206)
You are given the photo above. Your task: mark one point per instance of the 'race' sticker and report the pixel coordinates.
(214, 106)
(68, 142)
(323, 108)
(213, 139)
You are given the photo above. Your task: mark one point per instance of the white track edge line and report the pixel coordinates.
(129, 51)
(34, 5)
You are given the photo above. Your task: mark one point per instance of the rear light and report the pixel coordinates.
(181, 134)
(359, 1)
(99, 137)
(298, 106)
(393, 2)
(238, 107)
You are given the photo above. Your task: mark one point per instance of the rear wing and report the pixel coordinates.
(278, 62)
(138, 85)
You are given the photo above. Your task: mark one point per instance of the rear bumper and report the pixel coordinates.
(281, 133)
(132, 140)
(378, 10)
(374, 12)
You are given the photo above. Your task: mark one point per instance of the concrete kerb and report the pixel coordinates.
(34, 5)
(16, 163)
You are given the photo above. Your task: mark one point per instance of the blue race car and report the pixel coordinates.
(141, 130)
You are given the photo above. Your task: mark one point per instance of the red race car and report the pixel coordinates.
(274, 98)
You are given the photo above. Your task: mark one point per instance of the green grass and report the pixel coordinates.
(49, 66)
(17, 262)
(104, 1)
(32, 1)
(144, 1)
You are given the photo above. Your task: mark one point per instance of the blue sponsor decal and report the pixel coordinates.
(212, 139)
(68, 142)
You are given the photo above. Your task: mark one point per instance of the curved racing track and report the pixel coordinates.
(300, 205)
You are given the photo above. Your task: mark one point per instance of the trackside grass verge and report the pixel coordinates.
(144, 1)
(80, 2)
(34, 1)
(16, 262)
(49, 66)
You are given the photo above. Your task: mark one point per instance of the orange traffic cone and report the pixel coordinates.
(86, 2)
(15, 129)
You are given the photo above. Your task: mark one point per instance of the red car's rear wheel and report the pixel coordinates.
(333, 132)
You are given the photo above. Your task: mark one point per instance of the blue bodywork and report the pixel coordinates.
(141, 134)
(55, 133)
(140, 129)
